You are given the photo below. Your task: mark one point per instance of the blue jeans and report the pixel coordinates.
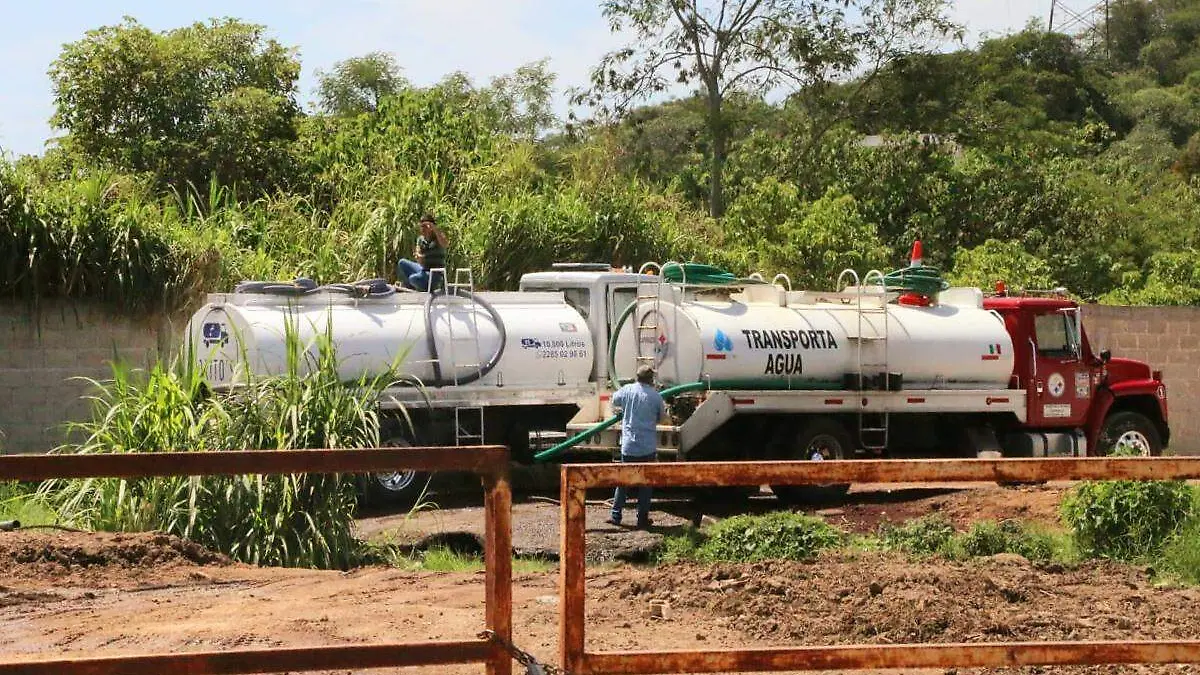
(643, 496)
(416, 276)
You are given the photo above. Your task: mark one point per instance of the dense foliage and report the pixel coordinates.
(1128, 520)
(1037, 158)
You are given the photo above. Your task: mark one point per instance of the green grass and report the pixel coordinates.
(798, 537)
(440, 559)
(924, 536)
(1181, 557)
(987, 538)
(20, 502)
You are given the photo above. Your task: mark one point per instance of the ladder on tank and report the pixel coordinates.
(468, 420)
(649, 296)
(873, 428)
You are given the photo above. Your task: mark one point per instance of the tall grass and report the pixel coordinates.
(300, 520)
(507, 207)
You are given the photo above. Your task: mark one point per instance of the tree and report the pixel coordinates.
(522, 99)
(165, 103)
(359, 84)
(753, 46)
(1005, 261)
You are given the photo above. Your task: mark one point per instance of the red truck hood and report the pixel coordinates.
(1123, 370)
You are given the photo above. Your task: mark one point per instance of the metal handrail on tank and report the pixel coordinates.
(781, 275)
(841, 287)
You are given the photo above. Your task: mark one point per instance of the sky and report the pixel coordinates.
(430, 39)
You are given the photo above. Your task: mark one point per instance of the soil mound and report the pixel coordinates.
(36, 553)
(886, 599)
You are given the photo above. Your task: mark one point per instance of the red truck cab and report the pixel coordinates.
(1074, 394)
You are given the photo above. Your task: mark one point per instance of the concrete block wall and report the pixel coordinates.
(1168, 338)
(40, 357)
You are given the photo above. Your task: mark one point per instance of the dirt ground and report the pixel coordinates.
(535, 517)
(69, 594)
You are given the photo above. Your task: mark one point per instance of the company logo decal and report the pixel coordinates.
(557, 348)
(994, 352)
(1057, 385)
(652, 336)
(215, 334)
(568, 328)
(787, 360)
(722, 342)
(1083, 385)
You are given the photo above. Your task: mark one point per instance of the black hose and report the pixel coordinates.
(431, 340)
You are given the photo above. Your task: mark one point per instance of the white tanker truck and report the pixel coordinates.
(759, 371)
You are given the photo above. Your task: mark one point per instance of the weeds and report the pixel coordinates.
(1181, 557)
(921, 537)
(303, 520)
(1127, 520)
(746, 538)
(987, 538)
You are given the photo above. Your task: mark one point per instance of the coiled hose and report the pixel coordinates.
(431, 340)
(920, 279)
(696, 273)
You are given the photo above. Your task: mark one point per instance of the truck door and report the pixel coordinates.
(1060, 384)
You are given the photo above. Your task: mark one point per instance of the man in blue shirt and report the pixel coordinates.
(641, 408)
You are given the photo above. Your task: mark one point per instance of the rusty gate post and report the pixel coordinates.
(572, 566)
(498, 565)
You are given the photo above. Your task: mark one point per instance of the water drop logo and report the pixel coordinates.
(721, 342)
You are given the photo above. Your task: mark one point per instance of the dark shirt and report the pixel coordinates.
(435, 255)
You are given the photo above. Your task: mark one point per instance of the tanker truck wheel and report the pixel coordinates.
(1131, 431)
(819, 440)
(394, 489)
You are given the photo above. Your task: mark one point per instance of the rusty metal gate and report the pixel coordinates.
(489, 462)
(577, 479)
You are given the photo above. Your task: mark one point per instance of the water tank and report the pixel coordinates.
(544, 341)
(765, 337)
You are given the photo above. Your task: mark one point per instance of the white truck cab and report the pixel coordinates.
(598, 292)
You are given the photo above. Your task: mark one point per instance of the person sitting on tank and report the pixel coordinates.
(430, 254)
(641, 409)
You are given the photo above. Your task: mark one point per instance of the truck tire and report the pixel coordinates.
(393, 489)
(1131, 429)
(823, 438)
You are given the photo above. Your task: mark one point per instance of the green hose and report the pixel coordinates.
(696, 273)
(921, 279)
(587, 433)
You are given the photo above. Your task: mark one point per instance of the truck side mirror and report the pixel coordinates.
(1105, 355)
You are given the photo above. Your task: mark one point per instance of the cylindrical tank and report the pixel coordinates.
(767, 338)
(545, 341)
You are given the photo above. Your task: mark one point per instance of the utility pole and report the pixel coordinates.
(1068, 16)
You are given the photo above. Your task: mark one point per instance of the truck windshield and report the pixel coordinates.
(1054, 335)
(580, 299)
